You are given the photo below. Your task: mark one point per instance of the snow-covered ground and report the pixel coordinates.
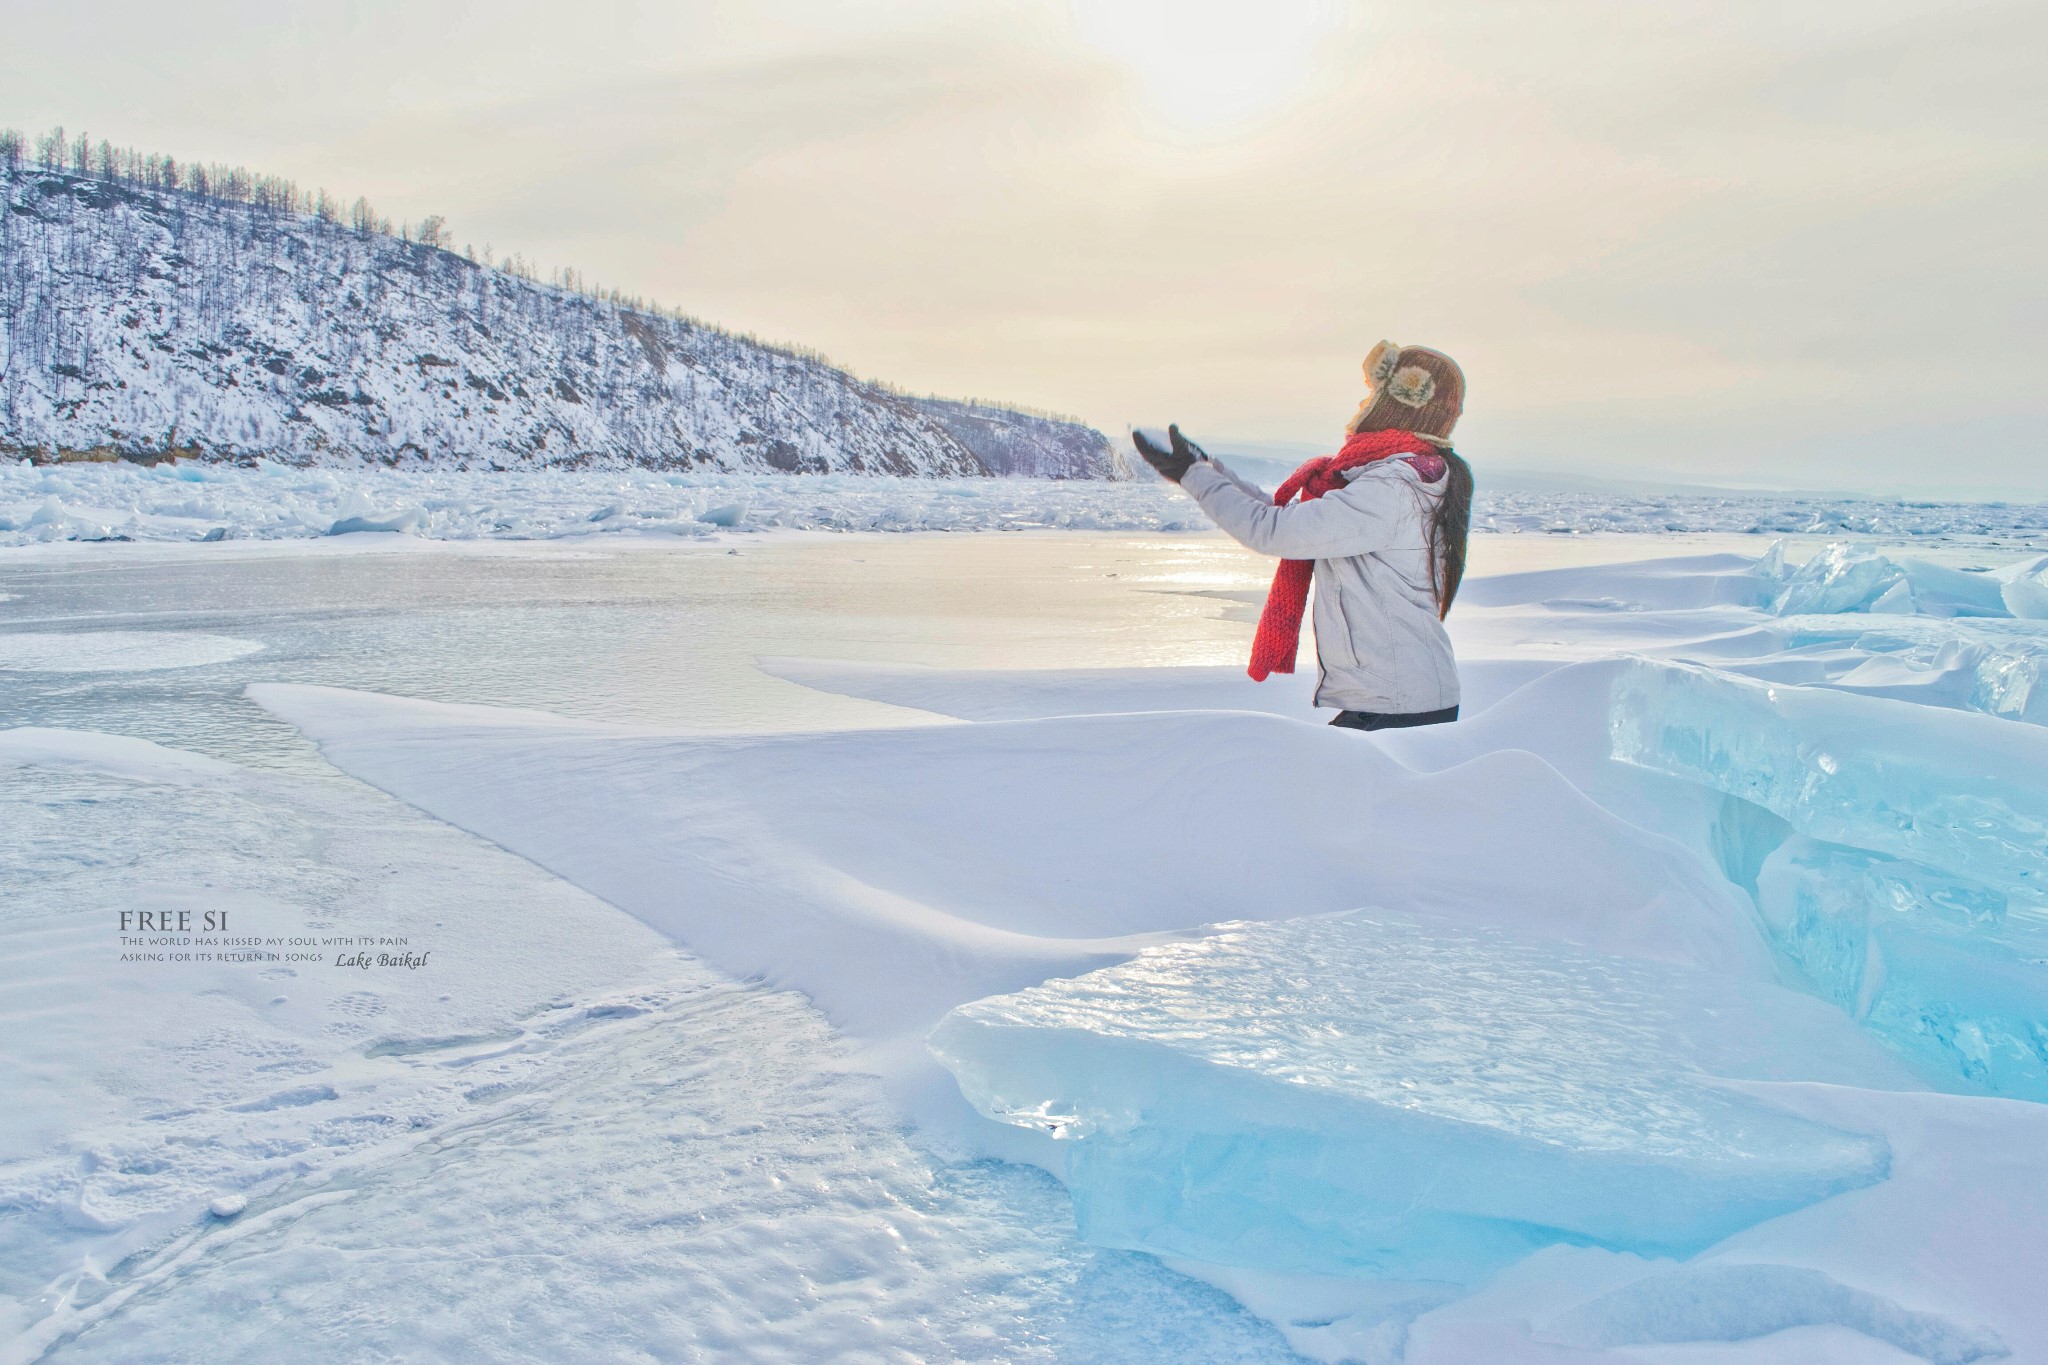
(187, 501)
(1682, 1003)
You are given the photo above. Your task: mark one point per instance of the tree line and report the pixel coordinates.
(58, 152)
(81, 156)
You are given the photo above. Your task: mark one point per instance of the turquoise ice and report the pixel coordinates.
(1898, 854)
(1383, 1094)
(1846, 578)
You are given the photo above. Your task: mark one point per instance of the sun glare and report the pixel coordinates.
(1208, 65)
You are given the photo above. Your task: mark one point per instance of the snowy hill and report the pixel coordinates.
(139, 320)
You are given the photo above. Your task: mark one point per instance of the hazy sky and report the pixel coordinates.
(1775, 244)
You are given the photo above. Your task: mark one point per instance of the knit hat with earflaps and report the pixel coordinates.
(1413, 389)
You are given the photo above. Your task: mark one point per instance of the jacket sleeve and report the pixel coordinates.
(1377, 511)
(1247, 485)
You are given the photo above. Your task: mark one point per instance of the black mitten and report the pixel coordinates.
(1172, 464)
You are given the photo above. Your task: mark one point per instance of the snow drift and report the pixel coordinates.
(893, 874)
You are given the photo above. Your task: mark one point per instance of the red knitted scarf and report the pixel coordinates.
(1280, 623)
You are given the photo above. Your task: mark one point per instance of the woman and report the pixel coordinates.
(1380, 529)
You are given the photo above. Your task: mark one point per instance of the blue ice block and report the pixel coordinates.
(1954, 790)
(1916, 893)
(1847, 578)
(1947, 971)
(1395, 1095)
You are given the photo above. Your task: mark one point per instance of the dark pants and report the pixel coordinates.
(1374, 720)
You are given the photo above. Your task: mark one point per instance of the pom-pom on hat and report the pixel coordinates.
(1412, 388)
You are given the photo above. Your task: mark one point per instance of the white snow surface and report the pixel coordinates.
(186, 500)
(562, 1140)
(584, 1114)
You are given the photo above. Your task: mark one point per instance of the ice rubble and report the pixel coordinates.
(1943, 639)
(1385, 1094)
(1994, 664)
(1987, 666)
(2024, 588)
(185, 501)
(1845, 578)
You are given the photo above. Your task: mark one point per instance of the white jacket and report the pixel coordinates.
(1379, 642)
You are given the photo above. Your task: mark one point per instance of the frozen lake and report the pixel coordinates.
(663, 634)
(564, 1126)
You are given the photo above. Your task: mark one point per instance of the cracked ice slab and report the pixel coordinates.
(1849, 578)
(1964, 793)
(1395, 1094)
(1913, 891)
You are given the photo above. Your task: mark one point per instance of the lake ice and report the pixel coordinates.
(186, 501)
(1608, 1024)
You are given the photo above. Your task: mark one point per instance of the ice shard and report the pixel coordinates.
(1846, 578)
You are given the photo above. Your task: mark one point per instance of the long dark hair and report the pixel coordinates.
(1449, 524)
